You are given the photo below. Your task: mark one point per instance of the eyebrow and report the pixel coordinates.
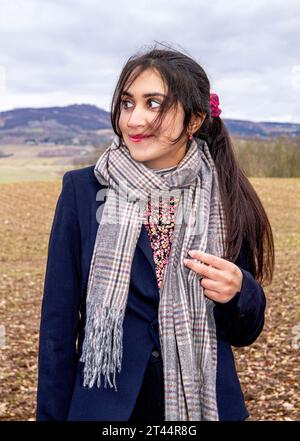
(146, 95)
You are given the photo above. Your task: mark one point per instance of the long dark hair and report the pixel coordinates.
(188, 83)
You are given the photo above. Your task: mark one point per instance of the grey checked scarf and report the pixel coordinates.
(187, 329)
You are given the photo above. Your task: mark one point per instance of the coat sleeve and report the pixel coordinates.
(57, 358)
(241, 320)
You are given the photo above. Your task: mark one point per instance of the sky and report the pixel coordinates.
(60, 52)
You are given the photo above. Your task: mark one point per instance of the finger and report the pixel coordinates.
(215, 296)
(210, 259)
(211, 285)
(212, 295)
(204, 270)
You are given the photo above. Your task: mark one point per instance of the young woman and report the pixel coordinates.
(156, 261)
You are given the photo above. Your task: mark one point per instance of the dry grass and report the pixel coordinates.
(269, 369)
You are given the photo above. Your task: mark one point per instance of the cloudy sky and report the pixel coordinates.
(59, 52)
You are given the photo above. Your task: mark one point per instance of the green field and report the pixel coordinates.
(26, 166)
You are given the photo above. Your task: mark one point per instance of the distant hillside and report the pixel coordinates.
(83, 116)
(82, 124)
(78, 124)
(251, 129)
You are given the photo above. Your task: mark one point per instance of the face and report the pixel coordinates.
(139, 111)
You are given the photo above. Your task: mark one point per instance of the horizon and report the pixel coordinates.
(108, 111)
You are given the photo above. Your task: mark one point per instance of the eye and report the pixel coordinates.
(124, 102)
(153, 101)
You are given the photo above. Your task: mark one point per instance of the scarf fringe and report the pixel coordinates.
(103, 345)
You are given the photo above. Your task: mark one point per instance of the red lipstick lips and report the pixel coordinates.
(137, 138)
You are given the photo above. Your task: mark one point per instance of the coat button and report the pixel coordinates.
(155, 353)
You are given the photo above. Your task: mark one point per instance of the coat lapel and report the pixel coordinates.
(145, 246)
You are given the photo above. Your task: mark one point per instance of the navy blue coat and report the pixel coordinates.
(60, 393)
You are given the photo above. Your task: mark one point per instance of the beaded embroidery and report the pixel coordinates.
(160, 226)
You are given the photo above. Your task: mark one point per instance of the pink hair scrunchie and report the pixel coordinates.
(214, 105)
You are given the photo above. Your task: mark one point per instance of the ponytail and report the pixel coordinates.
(245, 216)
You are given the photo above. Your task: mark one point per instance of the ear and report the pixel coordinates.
(196, 122)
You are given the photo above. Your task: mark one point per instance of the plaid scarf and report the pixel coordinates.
(187, 328)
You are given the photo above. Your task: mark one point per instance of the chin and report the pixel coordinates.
(136, 151)
(138, 156)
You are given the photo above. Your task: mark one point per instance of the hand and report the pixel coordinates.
(222, 279)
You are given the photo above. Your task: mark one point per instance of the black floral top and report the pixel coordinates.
(159, 223)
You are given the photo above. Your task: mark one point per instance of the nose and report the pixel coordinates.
(137, 117)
